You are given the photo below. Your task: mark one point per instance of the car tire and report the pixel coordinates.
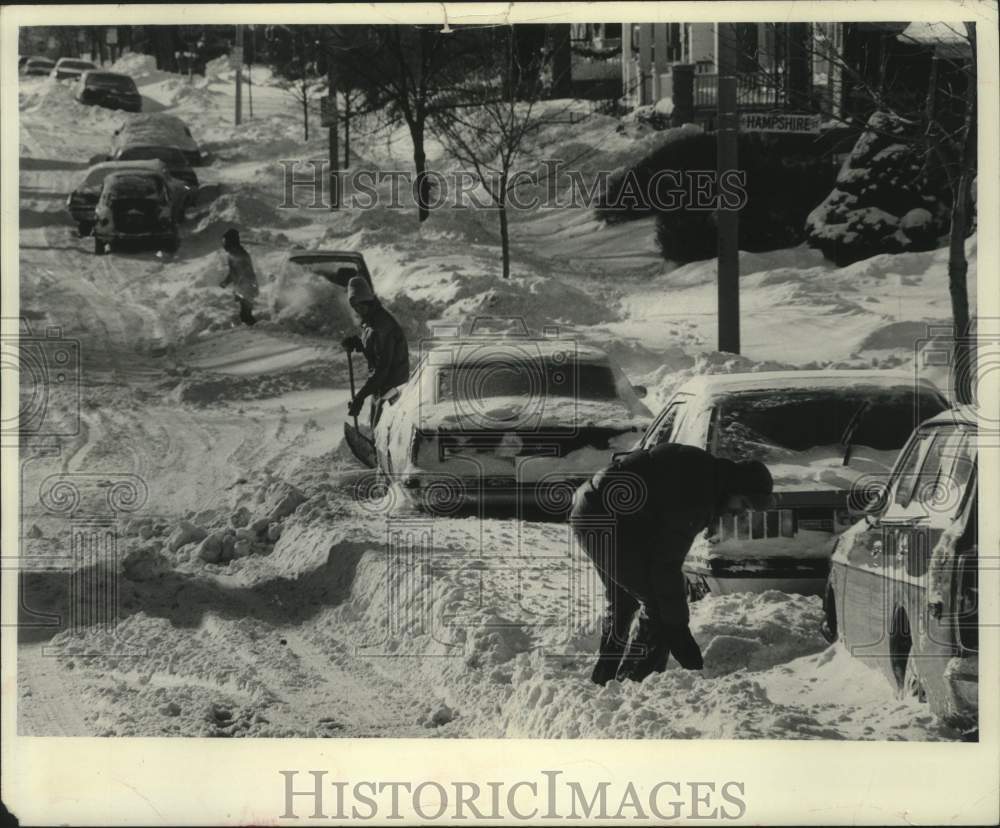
(85, 228)
(828, 629)
(172, 244)
(100, 246)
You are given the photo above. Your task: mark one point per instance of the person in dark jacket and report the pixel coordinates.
(636, 521)
(384, 345)
(241, 275)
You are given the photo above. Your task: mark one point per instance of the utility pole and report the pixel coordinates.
(727, 221)
(239, 75)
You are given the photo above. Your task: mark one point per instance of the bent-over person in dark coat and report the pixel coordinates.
(636, 521)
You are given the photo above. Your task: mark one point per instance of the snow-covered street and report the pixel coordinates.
(343, 614)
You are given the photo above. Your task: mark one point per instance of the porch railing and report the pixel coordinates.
(752, 89)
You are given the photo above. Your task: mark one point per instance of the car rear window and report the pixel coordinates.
(76, 64)
(135, 186)
(767, 425)
(526, 377)
(119, 83)
(169, 155)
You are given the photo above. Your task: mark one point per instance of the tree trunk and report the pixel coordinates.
(958, 266)
(305, 111)
(420, 185)
(504, 239)
(347, 129)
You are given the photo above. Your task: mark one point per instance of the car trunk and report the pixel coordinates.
(540, 468)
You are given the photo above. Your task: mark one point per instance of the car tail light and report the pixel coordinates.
(753, 525)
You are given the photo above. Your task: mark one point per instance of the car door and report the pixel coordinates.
(867, 579)
(889, 573)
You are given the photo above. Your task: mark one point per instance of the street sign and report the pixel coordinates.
(327, 111)
(787, 122)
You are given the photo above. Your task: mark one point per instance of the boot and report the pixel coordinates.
(683, 647)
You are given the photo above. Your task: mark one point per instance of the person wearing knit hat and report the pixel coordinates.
(636, 521)
(241, 275)
(383, 343)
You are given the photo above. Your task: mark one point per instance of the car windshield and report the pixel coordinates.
(526, 377)
(119, 83)
(134, 186)
(168, 155)
(769, 425)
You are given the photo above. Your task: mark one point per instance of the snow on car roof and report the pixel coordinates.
(959, 415)
(717, 384)
(516, 348)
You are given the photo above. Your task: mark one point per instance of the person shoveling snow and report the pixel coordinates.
(636, 520)
(241, 275)
(383, 343)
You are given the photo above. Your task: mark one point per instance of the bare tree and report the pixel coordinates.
(406, 74)
(490, 121)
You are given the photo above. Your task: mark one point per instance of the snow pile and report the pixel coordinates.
(306, 302)
(140, 67)
(53, 102)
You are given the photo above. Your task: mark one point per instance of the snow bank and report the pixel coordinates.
(53, 102)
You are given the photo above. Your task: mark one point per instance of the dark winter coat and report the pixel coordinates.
(659, 498)
(241, 274)
(384, 346)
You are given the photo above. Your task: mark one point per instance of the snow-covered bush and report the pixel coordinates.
(884, 201)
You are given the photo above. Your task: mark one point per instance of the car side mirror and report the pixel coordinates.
(873, 501)
(640, 391)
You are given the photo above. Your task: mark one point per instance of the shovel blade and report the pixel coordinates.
(362, 447)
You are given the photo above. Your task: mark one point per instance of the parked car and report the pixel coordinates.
(903, 588)
(83, 200)
(71, 68)
(159, 129)
(172, 157)
(38, 66)
(506, 422)
(818, 432)
(110, 90)
(135, 205)
(336, 266)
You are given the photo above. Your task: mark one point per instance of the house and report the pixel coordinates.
(783, 66)
(833, 68)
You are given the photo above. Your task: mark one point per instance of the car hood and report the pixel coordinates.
(529, 414)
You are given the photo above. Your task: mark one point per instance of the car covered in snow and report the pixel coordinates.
(903, 588)
(136, 206)
(38, 66)
(821, 434)
(83, 200)
(111, 90)
(171, 156)
(511, 423)
(71, 68)
(157, 128)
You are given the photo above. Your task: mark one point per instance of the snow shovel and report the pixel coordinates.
(361, 446)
